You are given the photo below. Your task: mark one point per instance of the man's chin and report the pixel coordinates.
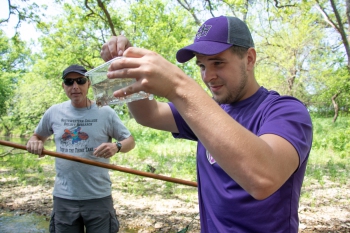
(218, 99)
(222, 100)
(77, 100)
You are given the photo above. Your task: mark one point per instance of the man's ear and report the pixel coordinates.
(251, 58)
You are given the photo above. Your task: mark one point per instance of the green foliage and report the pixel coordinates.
(26, 169)
(288, 42)
(333, 136)
(14, 58)
(70, 40)
(329, 158)
(285, 50)
(6, 90)
(331, 81)
(33, 96)
(173, 157)
(162, 27)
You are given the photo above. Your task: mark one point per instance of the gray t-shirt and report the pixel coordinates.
(78, 131)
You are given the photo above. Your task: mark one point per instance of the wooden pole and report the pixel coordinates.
(104, 165)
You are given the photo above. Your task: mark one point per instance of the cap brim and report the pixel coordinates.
(202, 47)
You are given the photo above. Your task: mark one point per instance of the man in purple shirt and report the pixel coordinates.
(253, 144)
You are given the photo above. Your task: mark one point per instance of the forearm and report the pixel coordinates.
(141, 109)
(153, 114)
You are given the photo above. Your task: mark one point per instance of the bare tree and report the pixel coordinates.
(27, 12)
(338, 25)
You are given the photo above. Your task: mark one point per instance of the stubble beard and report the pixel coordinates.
(237, 92)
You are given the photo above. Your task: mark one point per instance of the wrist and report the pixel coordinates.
(119, 146)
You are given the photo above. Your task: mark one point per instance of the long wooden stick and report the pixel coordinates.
(104, 165)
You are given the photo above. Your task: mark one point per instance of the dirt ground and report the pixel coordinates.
(327, 208)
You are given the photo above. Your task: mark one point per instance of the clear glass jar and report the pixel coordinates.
(104, 87)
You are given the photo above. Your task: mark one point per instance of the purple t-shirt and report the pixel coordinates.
(224, 205)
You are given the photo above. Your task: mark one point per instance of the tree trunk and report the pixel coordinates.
(335, 106)
(291, 80)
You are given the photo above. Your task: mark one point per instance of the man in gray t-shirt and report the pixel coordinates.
(82, 193)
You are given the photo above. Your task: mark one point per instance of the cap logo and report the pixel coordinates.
(203, 31)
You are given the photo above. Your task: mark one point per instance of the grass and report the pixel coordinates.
(330, 154)
(158, 149)
(19, 168)
(329, 160)
(160, 153)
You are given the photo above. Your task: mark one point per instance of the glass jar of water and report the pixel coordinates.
(104, 87)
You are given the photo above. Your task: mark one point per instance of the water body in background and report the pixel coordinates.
(11, 222)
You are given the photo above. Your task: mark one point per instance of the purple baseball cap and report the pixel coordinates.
(215, 36)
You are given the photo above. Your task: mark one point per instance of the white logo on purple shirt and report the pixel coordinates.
(210, 158)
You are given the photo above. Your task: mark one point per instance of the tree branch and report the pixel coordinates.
(210, 7)
(338, 26)
(284, 6)
(8, 17)
(326, 16)
(189, 9)
(92, 11)
(109, 19)
(7, 152)
(341, 31)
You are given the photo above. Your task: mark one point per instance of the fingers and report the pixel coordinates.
(153, 73)
(105, 53)
(122, 44)
(135, 87)
(103, 155)
(114, 47)
(126, 66)
(35, 147)
(128, 90)
(137, 52)
(105, 150)
(147, 67)
(120, 66)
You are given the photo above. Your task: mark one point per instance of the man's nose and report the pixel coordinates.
(208, 75)
(75, 84)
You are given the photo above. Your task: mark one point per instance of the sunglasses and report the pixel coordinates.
(70, 81)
